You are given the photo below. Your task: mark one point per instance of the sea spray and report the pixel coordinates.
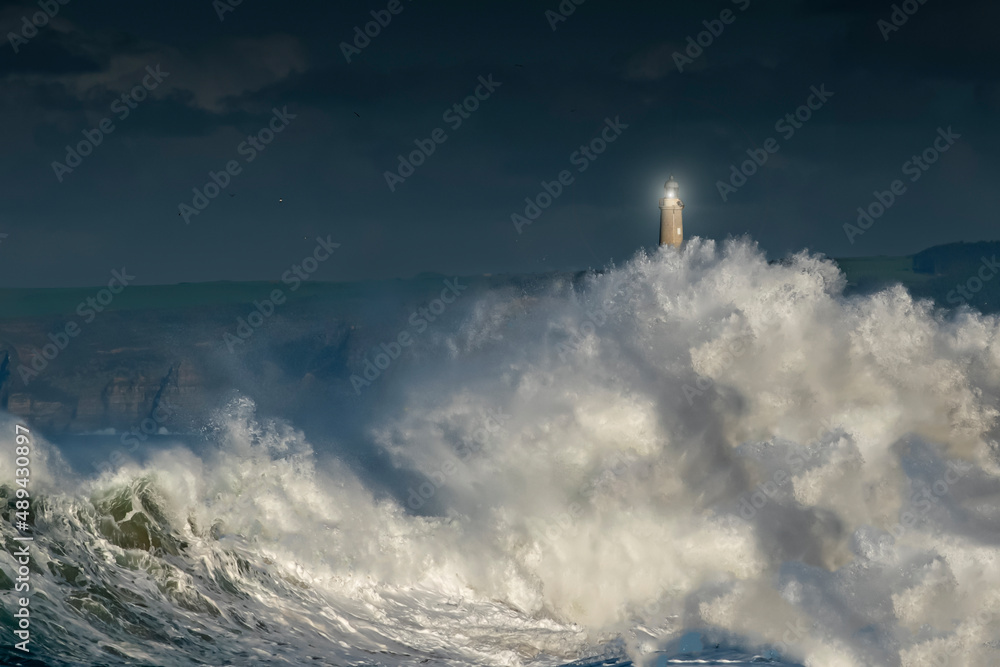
(604, 516)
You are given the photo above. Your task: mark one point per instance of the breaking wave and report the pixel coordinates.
(697, 441)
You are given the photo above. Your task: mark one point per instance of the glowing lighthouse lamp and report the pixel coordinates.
(671, 221)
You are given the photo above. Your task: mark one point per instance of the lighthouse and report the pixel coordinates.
(671, 222)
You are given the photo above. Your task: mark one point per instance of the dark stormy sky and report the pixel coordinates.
(324, 173)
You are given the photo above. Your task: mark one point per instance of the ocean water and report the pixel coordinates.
(691, 458)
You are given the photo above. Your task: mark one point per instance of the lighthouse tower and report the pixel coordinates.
(671, 222)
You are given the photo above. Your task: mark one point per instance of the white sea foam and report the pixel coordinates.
(696, 440)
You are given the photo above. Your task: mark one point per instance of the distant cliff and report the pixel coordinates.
(170, 356)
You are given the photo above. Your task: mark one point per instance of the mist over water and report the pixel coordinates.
(689, 441)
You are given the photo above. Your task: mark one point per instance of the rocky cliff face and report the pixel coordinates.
(122, 366)
(192, 359)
